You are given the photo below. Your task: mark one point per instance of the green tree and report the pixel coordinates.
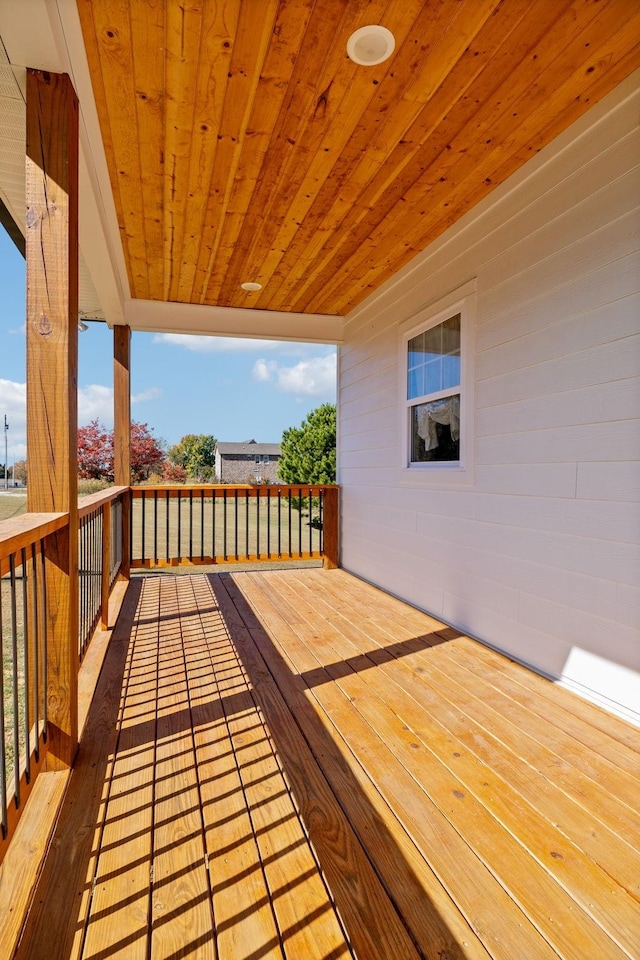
(196, 454)
(309, 451)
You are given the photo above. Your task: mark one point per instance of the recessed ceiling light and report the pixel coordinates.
(371, 45)
(251, 286)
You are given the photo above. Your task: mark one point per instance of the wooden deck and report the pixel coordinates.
(294, 764)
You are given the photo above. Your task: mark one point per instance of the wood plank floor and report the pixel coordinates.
(294, 764)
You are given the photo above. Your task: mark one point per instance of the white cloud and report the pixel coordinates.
(203, 344)
(263, 370)
(151, 394)
(315, 377)
(95, 402)
(217, 344)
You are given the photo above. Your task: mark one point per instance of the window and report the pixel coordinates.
(433, 392)
(436, 353)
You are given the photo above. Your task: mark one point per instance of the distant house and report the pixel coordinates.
(247, 462)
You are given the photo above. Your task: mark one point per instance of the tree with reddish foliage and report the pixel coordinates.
(147, 454)
(95, 452)
(174, 473)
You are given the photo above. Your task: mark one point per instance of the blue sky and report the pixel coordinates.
(231, 388)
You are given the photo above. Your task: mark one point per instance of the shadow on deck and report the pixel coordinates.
(294, 764)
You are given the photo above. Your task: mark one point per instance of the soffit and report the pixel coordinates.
(12, 169)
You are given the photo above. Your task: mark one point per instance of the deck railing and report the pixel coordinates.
(208, 524)
(172, 525)
(25, 626)
(23, 665)
(99, 558)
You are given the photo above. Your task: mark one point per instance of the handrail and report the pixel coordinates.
(92, 500)
(22, 531)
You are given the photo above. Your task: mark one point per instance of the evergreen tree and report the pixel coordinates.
(309, 451)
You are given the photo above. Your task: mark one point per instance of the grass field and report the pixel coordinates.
(12, 504)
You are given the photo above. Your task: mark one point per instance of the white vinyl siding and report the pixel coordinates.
(536, 551)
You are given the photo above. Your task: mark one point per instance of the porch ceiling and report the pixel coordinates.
(244, 145)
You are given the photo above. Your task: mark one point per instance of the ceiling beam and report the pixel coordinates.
(159, 317)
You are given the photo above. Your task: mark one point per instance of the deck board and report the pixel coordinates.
(500, 816)
(236, 872)
(437, 800)
(294, 764)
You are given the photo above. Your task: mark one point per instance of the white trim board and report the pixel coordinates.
(187, 318)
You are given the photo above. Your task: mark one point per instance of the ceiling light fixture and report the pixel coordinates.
(251, 287)
(371, 45)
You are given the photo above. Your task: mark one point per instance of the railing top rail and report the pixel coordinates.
(139, 489)
(22, 531)
(92, 500)
(219, 489)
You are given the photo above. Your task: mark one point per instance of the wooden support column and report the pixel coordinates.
(122, 434)
(330, 528)
(52, 361)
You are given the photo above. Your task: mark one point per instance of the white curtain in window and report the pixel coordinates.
(446, 412)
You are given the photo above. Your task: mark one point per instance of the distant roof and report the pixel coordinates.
(250, 448)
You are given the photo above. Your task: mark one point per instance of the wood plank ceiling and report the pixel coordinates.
(244, 145)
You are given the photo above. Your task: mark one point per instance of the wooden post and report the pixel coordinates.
(52, 360)
(106, 565)
(122, 434)
(330, 528)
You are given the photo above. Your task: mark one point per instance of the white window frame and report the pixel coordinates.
(462, 301)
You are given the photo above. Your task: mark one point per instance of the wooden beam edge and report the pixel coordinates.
(22, 864)
(89, 503)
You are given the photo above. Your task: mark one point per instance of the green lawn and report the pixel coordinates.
(195, 528)
(12, 504)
